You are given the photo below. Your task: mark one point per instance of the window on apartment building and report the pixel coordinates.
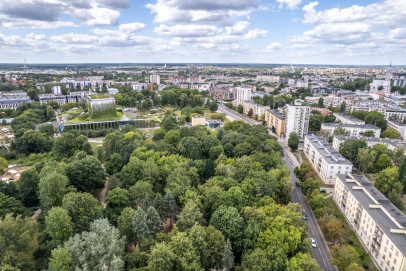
(391, 247)
(390, 255)
(385, 249)
(387, 241)
(394, 261)
(397, 253)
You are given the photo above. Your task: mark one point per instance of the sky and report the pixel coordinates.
(203, 31)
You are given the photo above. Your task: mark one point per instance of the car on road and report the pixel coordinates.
(304, 216)
(297, 184)
(313, 242)
(323, 190)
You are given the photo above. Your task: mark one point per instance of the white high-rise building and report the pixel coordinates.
(382, 86)
(243, 93)
(155, 78)
(297, 120)
(56, 89)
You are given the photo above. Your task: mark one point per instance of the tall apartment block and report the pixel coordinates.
(155, 78)
(297, 120)
(243, 93)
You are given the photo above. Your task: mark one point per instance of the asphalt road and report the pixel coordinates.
(320, 253)
(234, 115)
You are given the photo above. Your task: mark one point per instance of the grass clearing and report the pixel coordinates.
(77, 119)
(95, 146)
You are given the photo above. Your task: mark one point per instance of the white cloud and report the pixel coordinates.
(208, 11)
(387, 13)
(291, 4)
(274, 46)
(47, 13)
(398, 33)
(74, 38)
(256, 33)
(96, 16)
(131, 27)
(339, 32)
(192, 30)
(23, 23)
(115, 3)
(238, 28)
(214, 4)
(223, 38)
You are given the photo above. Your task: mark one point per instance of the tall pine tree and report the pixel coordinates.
(140, 227)
(171, 206)
(154, 221)
(228, 256)
(160, 206)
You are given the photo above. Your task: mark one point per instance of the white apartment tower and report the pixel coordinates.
(297, 120)
(382, 86)
(243, 93)
(155, 78)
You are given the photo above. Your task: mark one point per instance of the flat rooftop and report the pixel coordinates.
(326, 150)
(394, 142)
(348, 117)
(363, 126)
(277, 114)
(387, 217)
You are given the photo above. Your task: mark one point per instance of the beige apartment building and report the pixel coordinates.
(379, 225)
(275, 119)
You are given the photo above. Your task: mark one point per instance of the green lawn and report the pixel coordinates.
(95, 146)
(98, 118)
(349, 235)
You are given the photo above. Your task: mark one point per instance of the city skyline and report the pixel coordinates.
(204, 31)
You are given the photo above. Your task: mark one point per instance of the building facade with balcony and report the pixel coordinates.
(347, 119)
(258, 110)
(379, 225)
(351, 129)
(275, 120)
(326, 160)
(297, 120)
(392, 144)
(243, 94)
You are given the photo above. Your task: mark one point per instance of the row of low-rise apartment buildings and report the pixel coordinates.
(392, 144)
(295, 120)
(222, 93)
(347, 119)
(276, 79)
(73, 97)
(13, 100)
(351, 129)
(258, 110)
(325, 159)
(379, 225)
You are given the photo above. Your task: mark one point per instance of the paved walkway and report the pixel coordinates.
(36, 213)
(328, 196)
